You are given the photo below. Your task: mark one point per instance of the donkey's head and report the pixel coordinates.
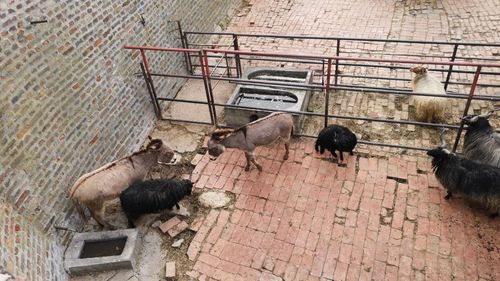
(165, 154)
(215, 146)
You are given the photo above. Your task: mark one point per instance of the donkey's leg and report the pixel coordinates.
(287, 148)
(98, 215)
(341, 156)
(247, 156)
(252, 159)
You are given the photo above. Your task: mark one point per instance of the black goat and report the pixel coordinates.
(153, 196)
(481, 142)
(336, 137)
(478, 182)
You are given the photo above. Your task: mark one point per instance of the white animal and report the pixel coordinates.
(428, 109)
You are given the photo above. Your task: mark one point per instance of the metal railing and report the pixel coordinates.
(201, 70)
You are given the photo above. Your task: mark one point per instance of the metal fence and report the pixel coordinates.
(230, 59)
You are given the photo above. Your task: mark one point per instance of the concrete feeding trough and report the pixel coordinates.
(273, 98)
(99, 251)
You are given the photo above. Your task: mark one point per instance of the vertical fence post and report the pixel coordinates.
(237, 56)
(327, 89)
(210, 89)
(151, 84)
(204, 73)
(448, 76)
(184, 44)
(148, 86)
(337, 62)
(467, 105)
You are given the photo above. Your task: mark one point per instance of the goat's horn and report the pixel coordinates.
(441, 137)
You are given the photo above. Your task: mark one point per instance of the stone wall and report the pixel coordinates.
(70, 102)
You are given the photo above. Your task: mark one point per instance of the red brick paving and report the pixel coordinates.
(310, 219)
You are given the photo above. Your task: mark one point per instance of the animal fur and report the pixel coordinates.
(336, 137)
(428, 109)
(263, 131)
(107, 182)
(153, 196)
(477, 182)
(481, 142)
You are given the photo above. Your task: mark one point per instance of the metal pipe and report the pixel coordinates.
(337, 62)
(237, 56)
(210, 89)
(346, 39)
(448, 76)
(318, 87)
(205, 84)
(351, 58)
(148, 87)
(187, 121)
(187, 59)
(314, 114)
(467, 105)
(327, 89)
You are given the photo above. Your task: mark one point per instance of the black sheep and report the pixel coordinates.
(153, 196)
(336, 137)
(481, 142)
(477, 182)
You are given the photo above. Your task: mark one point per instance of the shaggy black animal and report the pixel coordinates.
(478, 182)
(153, 196)
(336, 137)
(481, 142)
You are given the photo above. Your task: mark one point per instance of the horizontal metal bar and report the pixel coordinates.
(149, 48)
(408, 80)
(211, 65)
(407, 68)
(372, 143)
(344, 117)
(410, 93)
(186, 121)
(182, 100)
(319, 87)
(267, 54)
(209, 45)
(344, 38)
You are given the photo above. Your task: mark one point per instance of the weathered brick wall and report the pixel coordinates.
(70, 102)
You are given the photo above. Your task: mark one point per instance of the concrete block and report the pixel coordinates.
(77, 261)
(170, 269)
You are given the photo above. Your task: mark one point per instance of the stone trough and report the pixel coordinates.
(273, 98)
(99, 251)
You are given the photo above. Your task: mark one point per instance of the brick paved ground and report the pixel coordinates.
(474, 21)
(309, 219)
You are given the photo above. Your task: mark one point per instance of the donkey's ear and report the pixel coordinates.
(150, 138)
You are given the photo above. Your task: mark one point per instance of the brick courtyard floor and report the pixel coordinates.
(378, 218)
(309, 219)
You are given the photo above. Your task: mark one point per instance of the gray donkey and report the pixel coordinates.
(262, 131)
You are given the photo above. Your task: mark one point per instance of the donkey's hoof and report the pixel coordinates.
(285, 157)
(247, 169)
(259, 168)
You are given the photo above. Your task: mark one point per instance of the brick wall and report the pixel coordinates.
(70, 103)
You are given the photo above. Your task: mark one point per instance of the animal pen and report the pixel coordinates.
(342, 70)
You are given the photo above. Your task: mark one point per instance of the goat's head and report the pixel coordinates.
(165, 154)
(478, 121)
(188, 185)
(439, 152)
(419, 69)
(215, 147)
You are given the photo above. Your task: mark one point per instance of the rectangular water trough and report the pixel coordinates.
(273, 98)
(104, 250)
